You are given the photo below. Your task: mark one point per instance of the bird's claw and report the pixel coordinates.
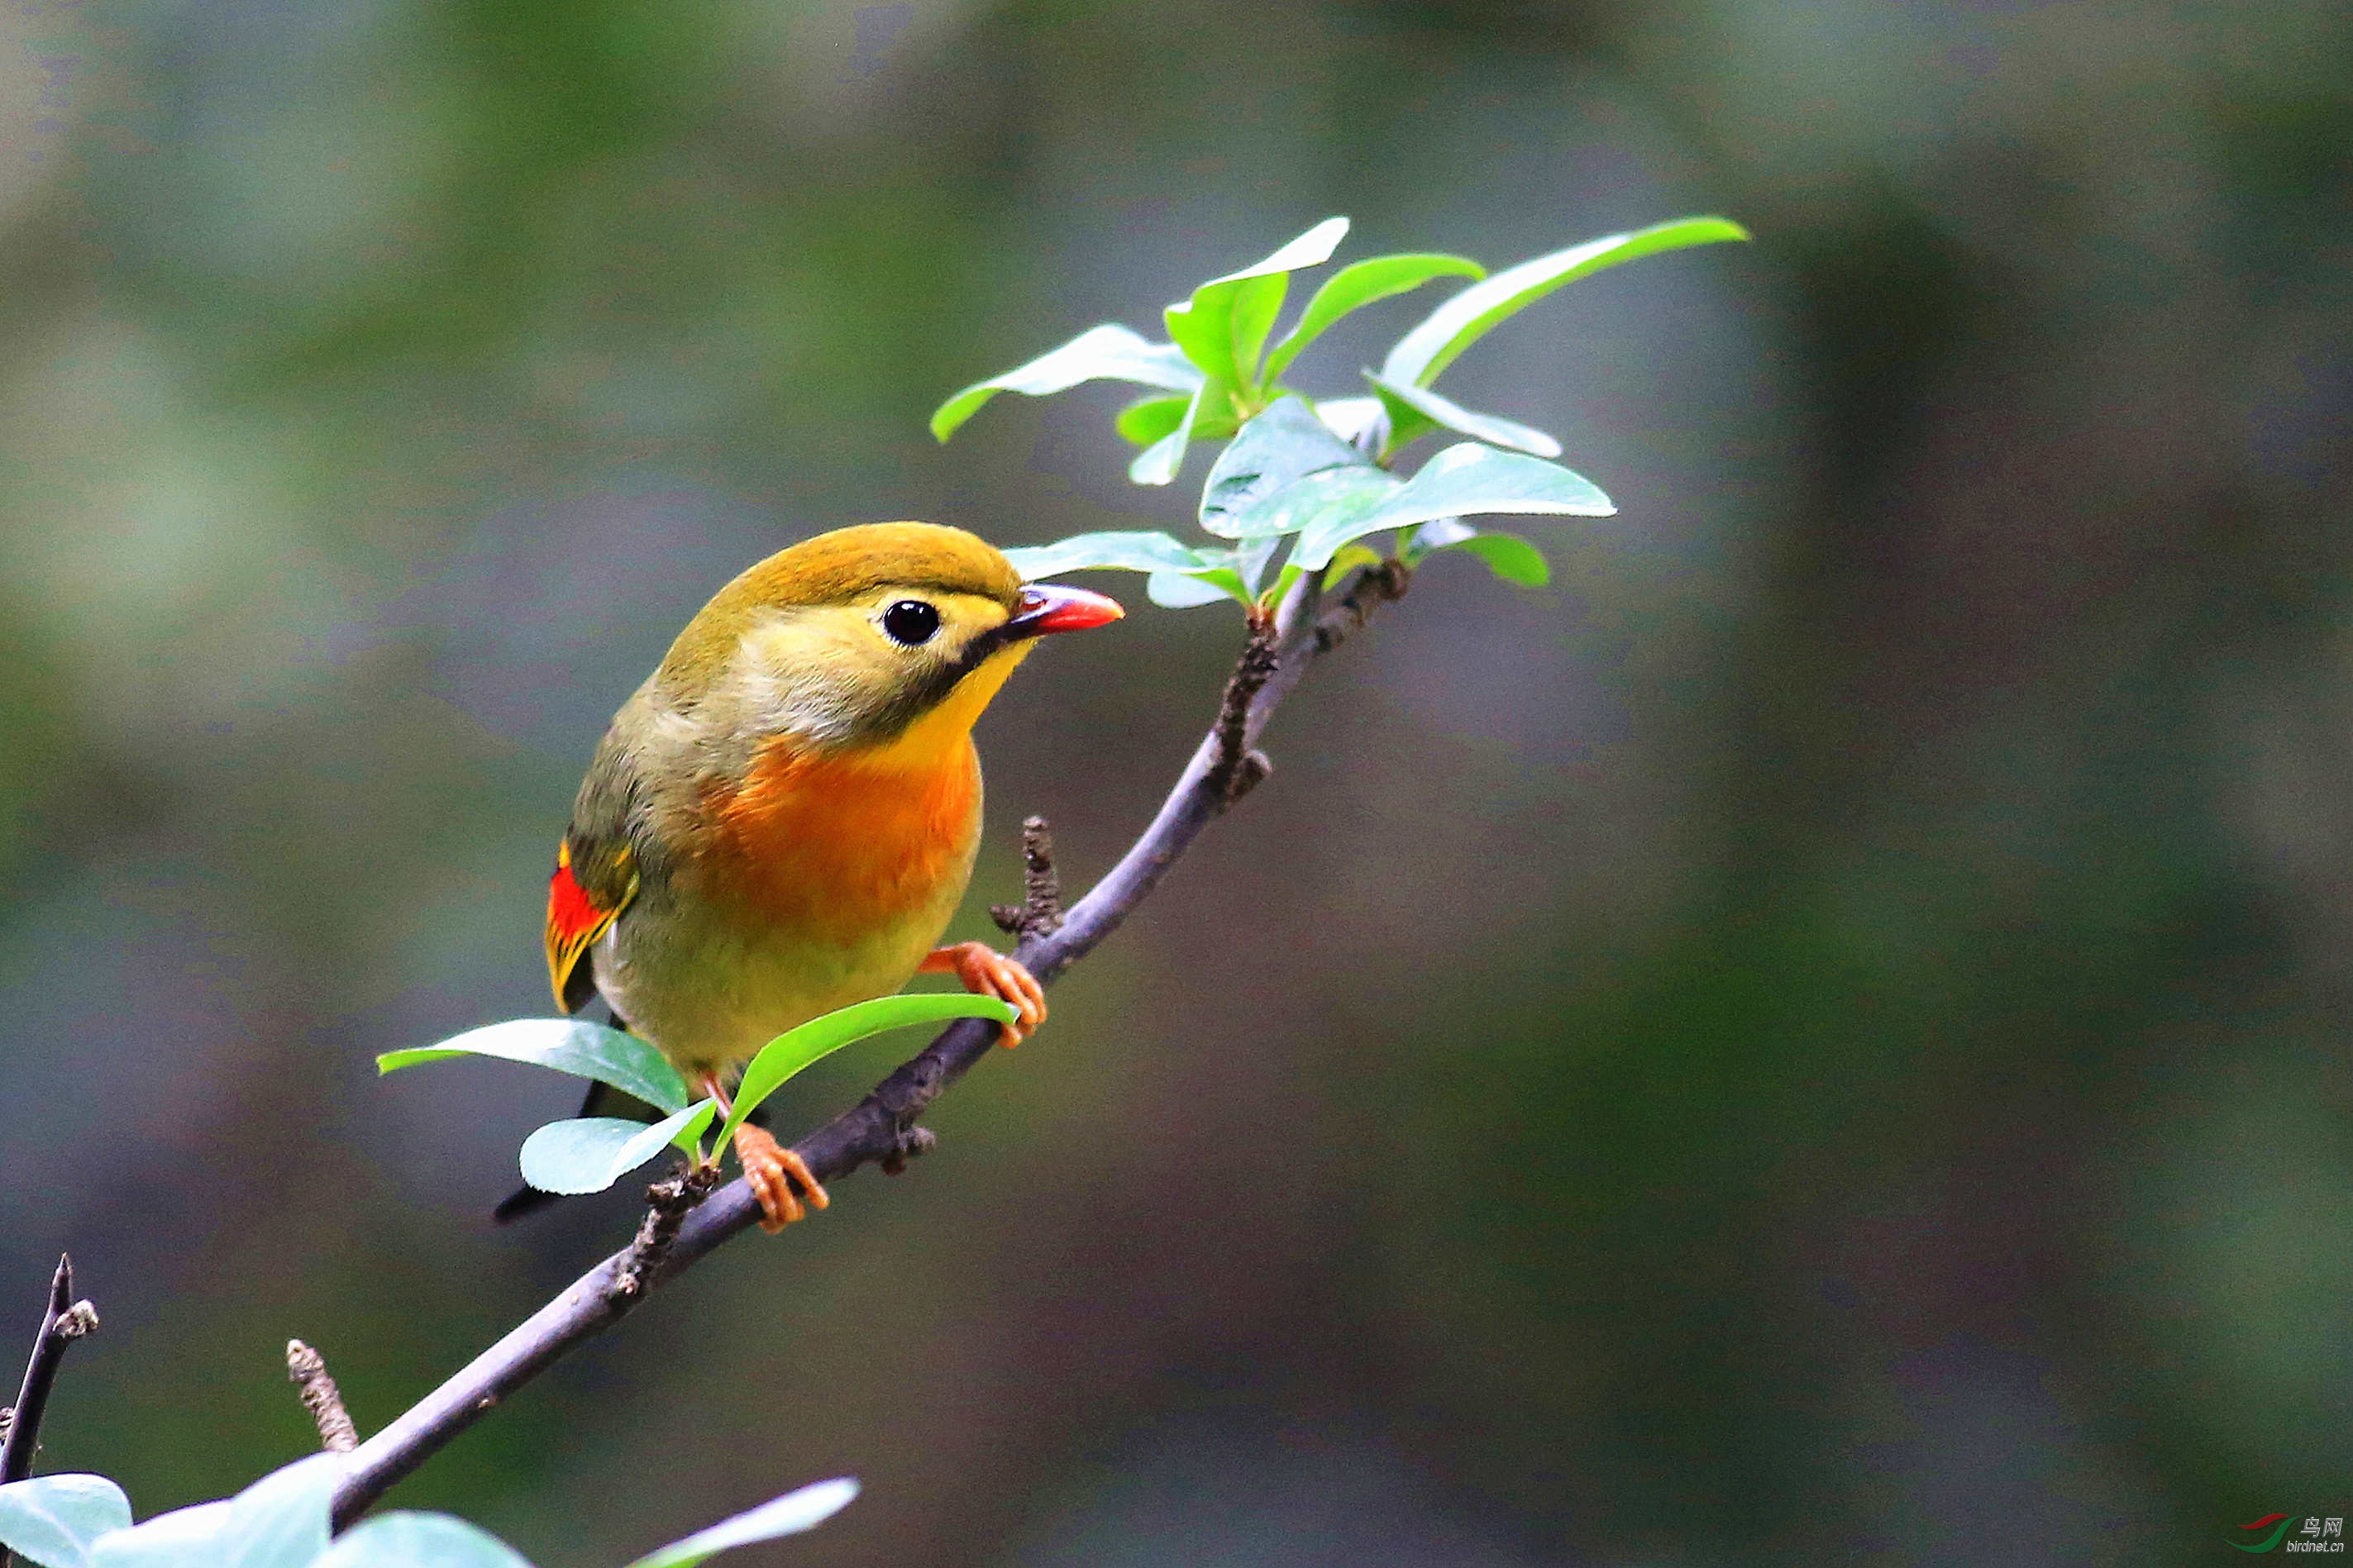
(771, 1168)
(984, 972)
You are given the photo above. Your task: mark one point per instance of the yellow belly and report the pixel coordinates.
(822, 881)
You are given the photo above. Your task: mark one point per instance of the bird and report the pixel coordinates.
(782, 820)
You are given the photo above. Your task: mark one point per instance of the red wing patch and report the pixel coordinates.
(574, 920)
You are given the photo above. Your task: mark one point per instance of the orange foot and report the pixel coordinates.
(988, 973)
(771, 1168)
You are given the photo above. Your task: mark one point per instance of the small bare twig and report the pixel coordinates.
(63, 1321)
(320, 1398)
(1239, 768)
(913, 1141)
(1374, 586)
(668, 1203)
(1039, 913)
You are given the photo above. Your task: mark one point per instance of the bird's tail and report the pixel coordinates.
(602, 1099)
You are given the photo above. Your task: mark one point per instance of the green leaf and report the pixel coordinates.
(1360, 284)
(791, 1051)
(1346, 559)
(1108, 353)
(184, 1538)
(1507, 555)
(1158, 463)
(1463, 320)
(589, 1153)
(1275, 590)
(1510, 557)
(1275, 449)
(1225, 322)
(788, 1515)
(1185, 591)
(1409, 406)
(567, 1044)
(1257, 302)
(1465, 480)
(1139, 551)
(1152, 419)
(54, 1519)
(409, 1539)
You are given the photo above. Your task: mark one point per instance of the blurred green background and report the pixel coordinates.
(1820, 1037)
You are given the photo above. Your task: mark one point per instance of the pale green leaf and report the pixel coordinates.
(281, 1520)
(1278, 447)
(788, 1515)
(589, 1153)
(1463, 320)
(54, 1519)
(1430, 409)
(1312, 248)
(1139, 551)
(408, 1540)
(791, 1051)
(1360, 284)
(1465, 480)
(1350, 419)
(184, 1538)
(567, 1044)
(1185, 591)
(1251, 558)
(1436, 535)
(1318, 501)
(1108, 353)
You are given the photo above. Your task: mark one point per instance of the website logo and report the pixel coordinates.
(2270, 1533)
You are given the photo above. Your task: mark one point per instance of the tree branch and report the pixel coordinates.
(61, 1324)
(881, 1128)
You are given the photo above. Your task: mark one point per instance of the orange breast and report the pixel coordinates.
(841, 849)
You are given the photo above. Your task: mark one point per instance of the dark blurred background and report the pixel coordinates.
(1821, 1037)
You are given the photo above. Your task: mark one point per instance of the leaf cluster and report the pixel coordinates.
(1315, 473)
(589, 1153)
(282, 1521)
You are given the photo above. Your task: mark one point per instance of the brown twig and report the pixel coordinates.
(668, 1203)
(1039, 913)
(63, 1321)
(1374, 586)
(1238, 769)
(880, 1129)
(320, 1398)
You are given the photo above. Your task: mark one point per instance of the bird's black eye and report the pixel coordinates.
(912, 622)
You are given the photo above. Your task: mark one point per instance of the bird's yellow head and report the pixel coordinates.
(888, 636)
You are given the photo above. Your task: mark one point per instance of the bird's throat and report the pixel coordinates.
(858, 838)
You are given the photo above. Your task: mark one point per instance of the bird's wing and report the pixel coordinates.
(595, 880)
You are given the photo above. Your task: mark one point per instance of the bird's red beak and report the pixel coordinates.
(1051, 608)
